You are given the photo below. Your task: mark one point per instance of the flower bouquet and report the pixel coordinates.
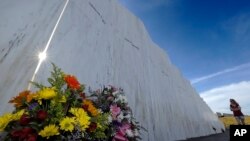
(62, 111)
(123, 125)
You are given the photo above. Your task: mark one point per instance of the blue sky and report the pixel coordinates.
(208, 40)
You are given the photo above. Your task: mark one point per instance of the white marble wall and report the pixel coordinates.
(101, 43)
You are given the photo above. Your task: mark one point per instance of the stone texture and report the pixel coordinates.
(101, 43)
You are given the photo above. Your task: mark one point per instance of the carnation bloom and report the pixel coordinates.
(41, 115)
(27, 134)
(46, 93)
(19, 100)
(4, 121)
(67, 124)
(90, 107)
(48, 131)
(82, 117)
(24, 120)
(92, 127)
(72, 82)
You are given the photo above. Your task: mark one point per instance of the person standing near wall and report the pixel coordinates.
(235, 107)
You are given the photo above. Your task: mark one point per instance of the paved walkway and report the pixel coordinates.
(217, 137)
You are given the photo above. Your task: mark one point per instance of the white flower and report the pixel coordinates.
(121, 98)
(136, 132)
(129, 133)
(128, 116)
(124, 99)
(120, 117)
(109, 119)
(115, 93)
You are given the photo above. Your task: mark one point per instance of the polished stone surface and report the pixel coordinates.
(101, 43)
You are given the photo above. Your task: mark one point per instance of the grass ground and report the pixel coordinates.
(227, 121)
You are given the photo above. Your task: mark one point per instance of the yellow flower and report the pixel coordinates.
(46, 93)
(4, 121)
(99, 125)
(62, 99)
(31, 97)
(18, 115)
(91, 108)
(84, 122)
(50, 130)
(56, 100)
(82, 117)
(67, 124)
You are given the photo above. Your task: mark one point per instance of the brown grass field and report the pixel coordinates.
(227, 121)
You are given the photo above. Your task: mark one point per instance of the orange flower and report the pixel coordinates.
(20, 99)
(88, 105)
(72, 82)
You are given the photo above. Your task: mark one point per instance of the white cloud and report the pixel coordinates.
(218, 98)
(236, 68)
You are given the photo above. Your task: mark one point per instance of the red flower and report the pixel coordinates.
(72, 82)
(15, 134)
(82, 95)
(27, 130)
(92, 127)
(24, 120)
(85, 107)
(31, 137)
(26, 134)
(41, 115)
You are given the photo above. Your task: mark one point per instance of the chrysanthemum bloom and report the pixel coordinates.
(48, 131)
(30, 97)
(90, 107)
(17, 115)
(4, 121)
(19, 100)
(62, 99)
(46, 93)
(8, 117)
(72, 82)
(67, 124)
(82, 117)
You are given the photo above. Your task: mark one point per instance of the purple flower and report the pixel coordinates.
(116, 123)
(33, 106)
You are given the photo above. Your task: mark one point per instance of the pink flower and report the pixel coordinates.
(115, 110)
(120, 137)
(125, 127)
(113, 88)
